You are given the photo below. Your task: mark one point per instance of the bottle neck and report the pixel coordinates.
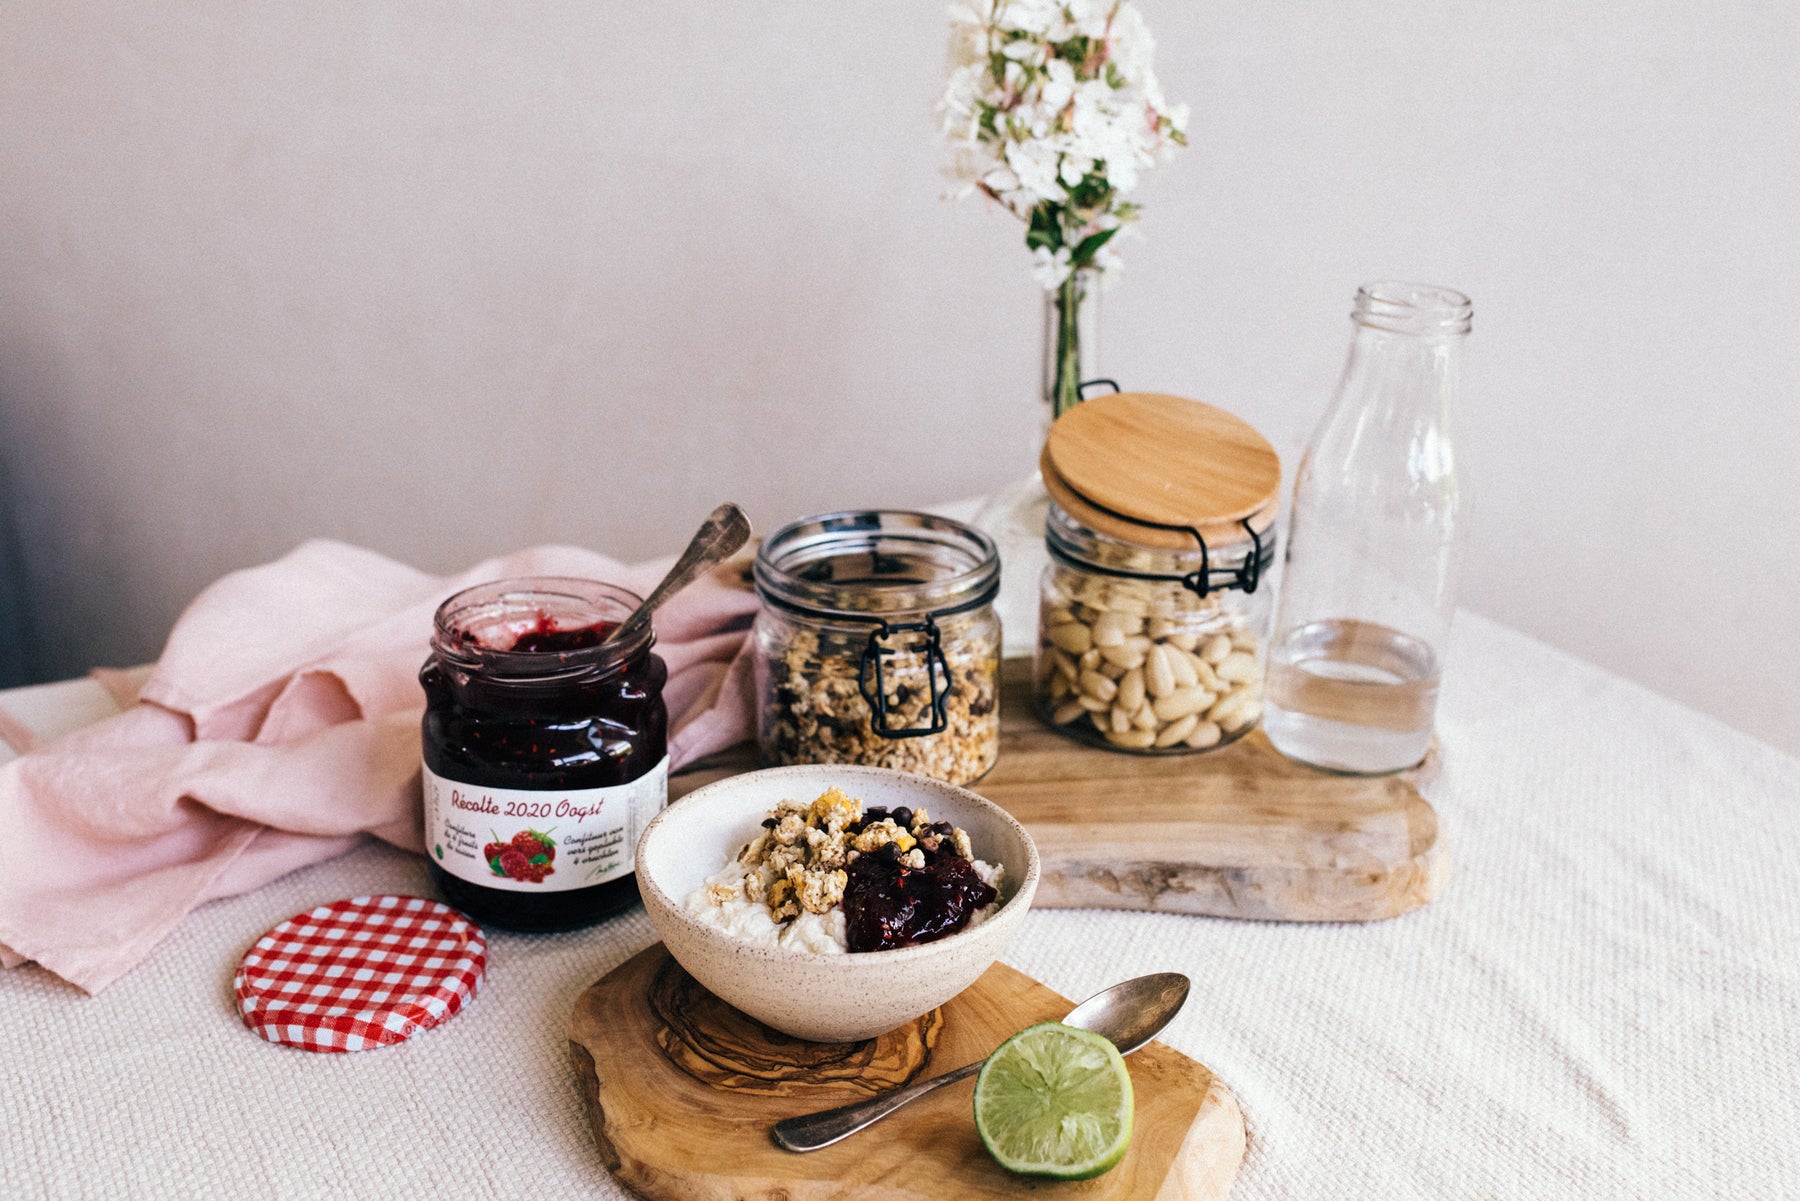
(1418, 310)
(1402, 375)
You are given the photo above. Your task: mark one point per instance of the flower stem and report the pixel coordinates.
(1065, 391)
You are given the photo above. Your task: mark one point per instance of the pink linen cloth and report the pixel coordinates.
(280, 726)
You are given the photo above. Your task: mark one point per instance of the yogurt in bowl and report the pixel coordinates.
(803, 979)
(831, 877)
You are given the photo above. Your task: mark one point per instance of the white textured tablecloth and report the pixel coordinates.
(1604, 1003)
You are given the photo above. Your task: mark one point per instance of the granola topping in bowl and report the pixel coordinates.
(829, 876)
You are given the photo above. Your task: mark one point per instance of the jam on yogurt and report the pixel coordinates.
(545, 751)
(894, 900)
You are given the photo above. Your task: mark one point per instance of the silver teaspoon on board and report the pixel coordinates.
(719, 537)
(1130, 1013)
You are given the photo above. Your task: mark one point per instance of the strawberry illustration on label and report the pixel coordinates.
(529, 857)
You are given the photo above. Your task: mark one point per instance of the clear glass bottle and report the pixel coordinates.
(878, 644)
(1370, 583)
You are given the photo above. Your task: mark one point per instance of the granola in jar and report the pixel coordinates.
(878, 645)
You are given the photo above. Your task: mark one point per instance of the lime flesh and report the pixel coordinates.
(1055, 1101)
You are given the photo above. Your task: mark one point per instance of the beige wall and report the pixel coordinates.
(446, 279)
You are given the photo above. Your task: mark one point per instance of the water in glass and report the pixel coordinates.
(1352, 696)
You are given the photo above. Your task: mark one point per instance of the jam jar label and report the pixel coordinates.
(539, 840)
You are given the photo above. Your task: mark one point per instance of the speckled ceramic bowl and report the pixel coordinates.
(825, 998)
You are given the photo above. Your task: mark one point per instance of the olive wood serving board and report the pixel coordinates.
(681, 1090)
(1237, 832)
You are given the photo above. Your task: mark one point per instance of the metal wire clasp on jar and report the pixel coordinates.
(1150, 650)
(877, 644)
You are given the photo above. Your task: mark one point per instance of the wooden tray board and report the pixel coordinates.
(1237, 832)
(681, 1091)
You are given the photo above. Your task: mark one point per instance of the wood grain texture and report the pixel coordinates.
(1162, 459)
(671, 1134)
(1237, 832)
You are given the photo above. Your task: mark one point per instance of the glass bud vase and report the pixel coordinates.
(1370, 583)
(1071, 340)
(1014, 513)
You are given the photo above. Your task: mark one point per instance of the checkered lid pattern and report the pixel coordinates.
(360, 973)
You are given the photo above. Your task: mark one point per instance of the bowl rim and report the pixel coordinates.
(850, 961)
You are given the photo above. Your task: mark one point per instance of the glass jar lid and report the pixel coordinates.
(867, 565)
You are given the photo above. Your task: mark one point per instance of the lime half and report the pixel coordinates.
(1055, 1101)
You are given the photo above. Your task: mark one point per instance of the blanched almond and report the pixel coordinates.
(1226, 712)
(1109, 630)
(1159, 677)
(1131, 690)
(1072, 637)
(1098, 686)
(1238, 667)
(1205, 734)
(1126, 656)
(1181, 665)
(1182, 702)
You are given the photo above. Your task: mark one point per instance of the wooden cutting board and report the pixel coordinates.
(681, 1090)
(1237, 832)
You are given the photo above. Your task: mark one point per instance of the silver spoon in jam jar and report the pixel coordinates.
(1130, 1013)
(719, 537)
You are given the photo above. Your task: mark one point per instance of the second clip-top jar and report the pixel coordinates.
(1154, 606)
(877, 644)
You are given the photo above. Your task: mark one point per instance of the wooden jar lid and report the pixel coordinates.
(1128, 465)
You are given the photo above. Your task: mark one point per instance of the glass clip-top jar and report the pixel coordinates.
(545, 751)
(877, 644)
(1153, 608)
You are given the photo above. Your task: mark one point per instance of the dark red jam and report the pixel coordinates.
(544, 637)
(888, 905)
(527, 712)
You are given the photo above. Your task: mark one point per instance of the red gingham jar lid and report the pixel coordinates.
(360, 973)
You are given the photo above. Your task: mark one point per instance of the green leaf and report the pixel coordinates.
(439, 848)
(1090, 245)
(494, 863)
(540, 859)
(1045, 231)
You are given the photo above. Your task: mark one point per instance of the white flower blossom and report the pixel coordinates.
(1035, 163)
(1049, 267)
(1051, 108)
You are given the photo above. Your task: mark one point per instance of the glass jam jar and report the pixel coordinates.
(877, 644)
(1153, 609)
(545, 751)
